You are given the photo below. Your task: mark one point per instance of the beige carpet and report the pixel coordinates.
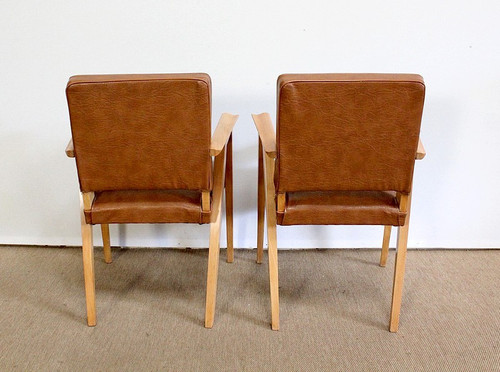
(334, 312)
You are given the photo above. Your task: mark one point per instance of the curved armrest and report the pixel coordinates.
(264, 126)
(222, 133)
(420, 151)
(70, 151)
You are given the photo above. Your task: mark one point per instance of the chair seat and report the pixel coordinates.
(342, 208)
(147, 206)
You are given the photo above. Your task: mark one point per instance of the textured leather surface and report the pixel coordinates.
(342, 208)
(141, 131)
(288, 78)
(348, 131)
(147, 206)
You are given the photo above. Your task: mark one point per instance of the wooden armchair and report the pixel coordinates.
(144, 155)
(344, 154)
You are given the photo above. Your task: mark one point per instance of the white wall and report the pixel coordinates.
(244, 46)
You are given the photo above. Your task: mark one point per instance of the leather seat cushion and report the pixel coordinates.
(342, 208)
(147, 206)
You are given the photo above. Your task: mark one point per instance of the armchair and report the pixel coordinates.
(144, 154)
(344, 154)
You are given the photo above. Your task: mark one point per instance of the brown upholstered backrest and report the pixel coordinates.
(141, 131)
(348, 131)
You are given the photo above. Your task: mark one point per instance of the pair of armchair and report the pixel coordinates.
(344, 153)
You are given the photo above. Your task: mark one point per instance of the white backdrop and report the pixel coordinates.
(244, 46)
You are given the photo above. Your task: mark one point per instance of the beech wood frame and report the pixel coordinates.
(221, 151)
(269, 201)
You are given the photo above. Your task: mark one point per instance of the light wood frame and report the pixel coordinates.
(221, 151)
(269, 202)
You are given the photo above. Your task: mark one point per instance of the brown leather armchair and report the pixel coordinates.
(143, 151)
(344, 154)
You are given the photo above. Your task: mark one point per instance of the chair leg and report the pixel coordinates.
(261, 204)
(399, 272)
(229, 199)
(213, 271)
(214, 244)
(272, 244)
(273, 276)
(106, 243)
(385, 245)
(88, 271)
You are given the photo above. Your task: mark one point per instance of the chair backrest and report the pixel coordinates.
(348, 131)
(139, 132)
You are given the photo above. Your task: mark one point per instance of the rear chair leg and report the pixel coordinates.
(273, 276)
(272, 244)
(214, 244)
(399, 269)
(213, 271)
(88, 267)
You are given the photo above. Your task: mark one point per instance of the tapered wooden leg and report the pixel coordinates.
(213, 270)
(272, 243)
(229, 199)
(399, 272)
(261, 204)
(385, 245)
(106, 243)
(88, 268)
(214, 245)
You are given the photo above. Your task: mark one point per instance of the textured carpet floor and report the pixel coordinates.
(334, 312)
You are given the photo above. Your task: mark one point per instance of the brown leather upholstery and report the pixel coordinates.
(342, 208)
(347, 131)
(140, 132)
(147, 206)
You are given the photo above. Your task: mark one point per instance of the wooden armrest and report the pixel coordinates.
(222, 133)
(264, 126)
(420, 151)
(70, 151)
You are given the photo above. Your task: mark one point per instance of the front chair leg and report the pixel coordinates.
(261, 206)
(385, 245)
(106, 243)
(272, 244)
(229, 199)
